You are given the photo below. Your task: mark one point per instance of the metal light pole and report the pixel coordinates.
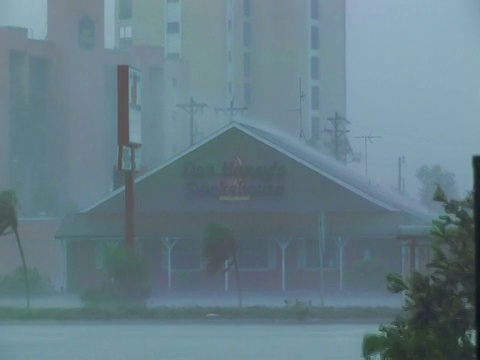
(369, 138)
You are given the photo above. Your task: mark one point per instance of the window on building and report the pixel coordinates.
(247, 65)
(124, 9)
(99, 255)
(314, 68)
(314, 9)
(125, 32)
(230, 87)
(247, 94)
(308, 254)
(253, 253)
(315, 98)
(229, 56)
(39, 74)
(125, 40)
(315, 41)
(229, 25)
(173, 55)
(315, 128)
(247, 34)
(172, 1)
(247, 7)
(186, 255)
(174, 83)
(173, 27)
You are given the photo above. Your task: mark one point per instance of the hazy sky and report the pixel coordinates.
(413, 78)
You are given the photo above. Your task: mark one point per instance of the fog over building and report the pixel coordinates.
(255, 53)
(280, 63)
(59, 109)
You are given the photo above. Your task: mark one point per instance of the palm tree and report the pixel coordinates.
(219, 248)
(9, 219)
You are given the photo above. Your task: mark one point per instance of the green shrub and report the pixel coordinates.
(14, 284)
(127, 284)
(366, 275)
(373, 346)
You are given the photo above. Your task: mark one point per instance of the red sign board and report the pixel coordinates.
(129, 107)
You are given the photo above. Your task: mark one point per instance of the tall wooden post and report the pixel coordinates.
(476, 214)
(130, 203)
(129, 137)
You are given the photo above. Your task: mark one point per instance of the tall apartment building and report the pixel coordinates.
(273, 56)
(58, 106)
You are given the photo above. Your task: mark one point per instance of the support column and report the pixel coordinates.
(408, 262)
(130, 203)
(321, 247)
(283, 244)
(169, 244)
(341, 246)
(63, 266)
(226, 275)
(413, 255)
(404, 249)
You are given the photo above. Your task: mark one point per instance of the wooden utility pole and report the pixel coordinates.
(337, 133)
(231, 109)
(369, 138)
(130, 202)
(476, 219)
(192, 108)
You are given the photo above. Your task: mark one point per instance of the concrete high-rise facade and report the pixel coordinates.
(283, 59)
(58, 109)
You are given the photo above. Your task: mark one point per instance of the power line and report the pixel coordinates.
(231, 109)
(365, 138)
(337, 133)
(301, 97)
(192, 108)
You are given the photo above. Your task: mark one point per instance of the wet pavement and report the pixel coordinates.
(148, 341)
(226, 299)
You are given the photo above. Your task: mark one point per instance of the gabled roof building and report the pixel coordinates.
(296, 214)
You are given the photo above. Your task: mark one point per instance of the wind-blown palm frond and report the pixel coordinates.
(219, 247)
(9, 219)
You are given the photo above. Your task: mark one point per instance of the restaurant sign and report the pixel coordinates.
(234, 180)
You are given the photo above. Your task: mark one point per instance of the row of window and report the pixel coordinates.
(252, 254)
(314, 9)
(314, 97)
(125, 8)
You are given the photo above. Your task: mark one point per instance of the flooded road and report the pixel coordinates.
(131, 340)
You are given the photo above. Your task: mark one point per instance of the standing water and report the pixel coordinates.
(142, 341)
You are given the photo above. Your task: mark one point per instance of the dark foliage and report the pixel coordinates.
(14, 284)
(9, 219)
(430, 177)
(126, 283)
(219, 248)
(438, 320)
